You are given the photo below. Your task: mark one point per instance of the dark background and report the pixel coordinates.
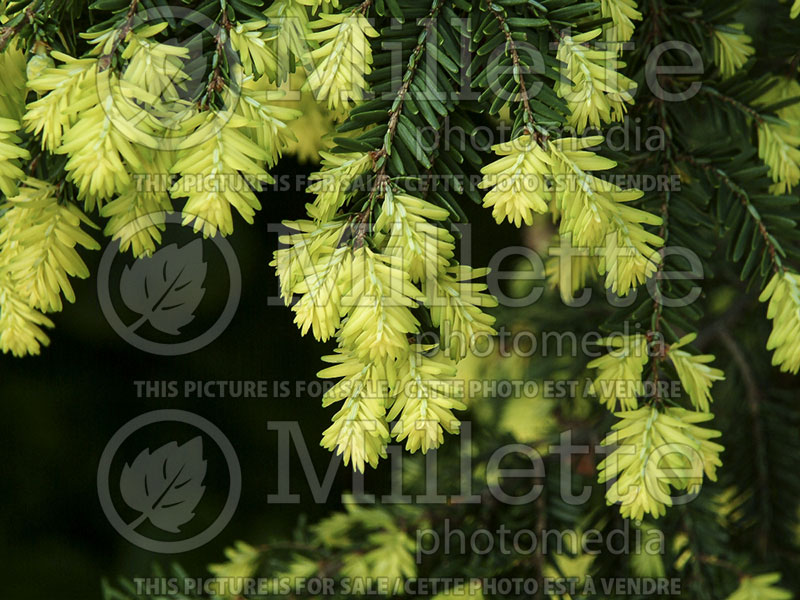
(60, 409)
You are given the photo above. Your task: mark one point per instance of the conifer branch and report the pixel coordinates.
(379, 157)
(658, 297)
(740, 106)
(750, 209)
(216, 82)
(655, 333)
(511, 47)
(104, 62)
(9, 31)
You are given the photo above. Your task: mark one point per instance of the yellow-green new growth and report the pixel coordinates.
(359, 431)
(779, 148)
(374, 543)
(13, 91)
(219, 168)
(760, 587)
(320, 306)
(243, 560)
(517, 181)
(622, 14)
(303, 249)
(362, 288)
(137, 216)
(332, 183)
(595, 91)
(101, 143)
(343, 59)
(153, 67)
(783, 294)
(404, 230)
(38, 238)
(593, 210)
(648, 563)
(268, 122)
(424, 398)
(779, 142)
(569, 269)
(58, 88)
(378, 305)
(595, 213)
(10, 153)
(655, 451)
(390, 559)
(12, 104)
(253, 41)
(693, 371)
(732, 48)
(288, 46)
(455, 301)
(21, 325)
(619, 377)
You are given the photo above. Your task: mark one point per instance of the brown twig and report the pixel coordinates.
(655, 334)
(748, 110)
(380, 156)
(777, 264)
(104, 62)
(511, 48)
(10, 32)
(216, 83)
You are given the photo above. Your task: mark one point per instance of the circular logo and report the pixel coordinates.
(152, 96)
(151, 302)
(161, 489)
